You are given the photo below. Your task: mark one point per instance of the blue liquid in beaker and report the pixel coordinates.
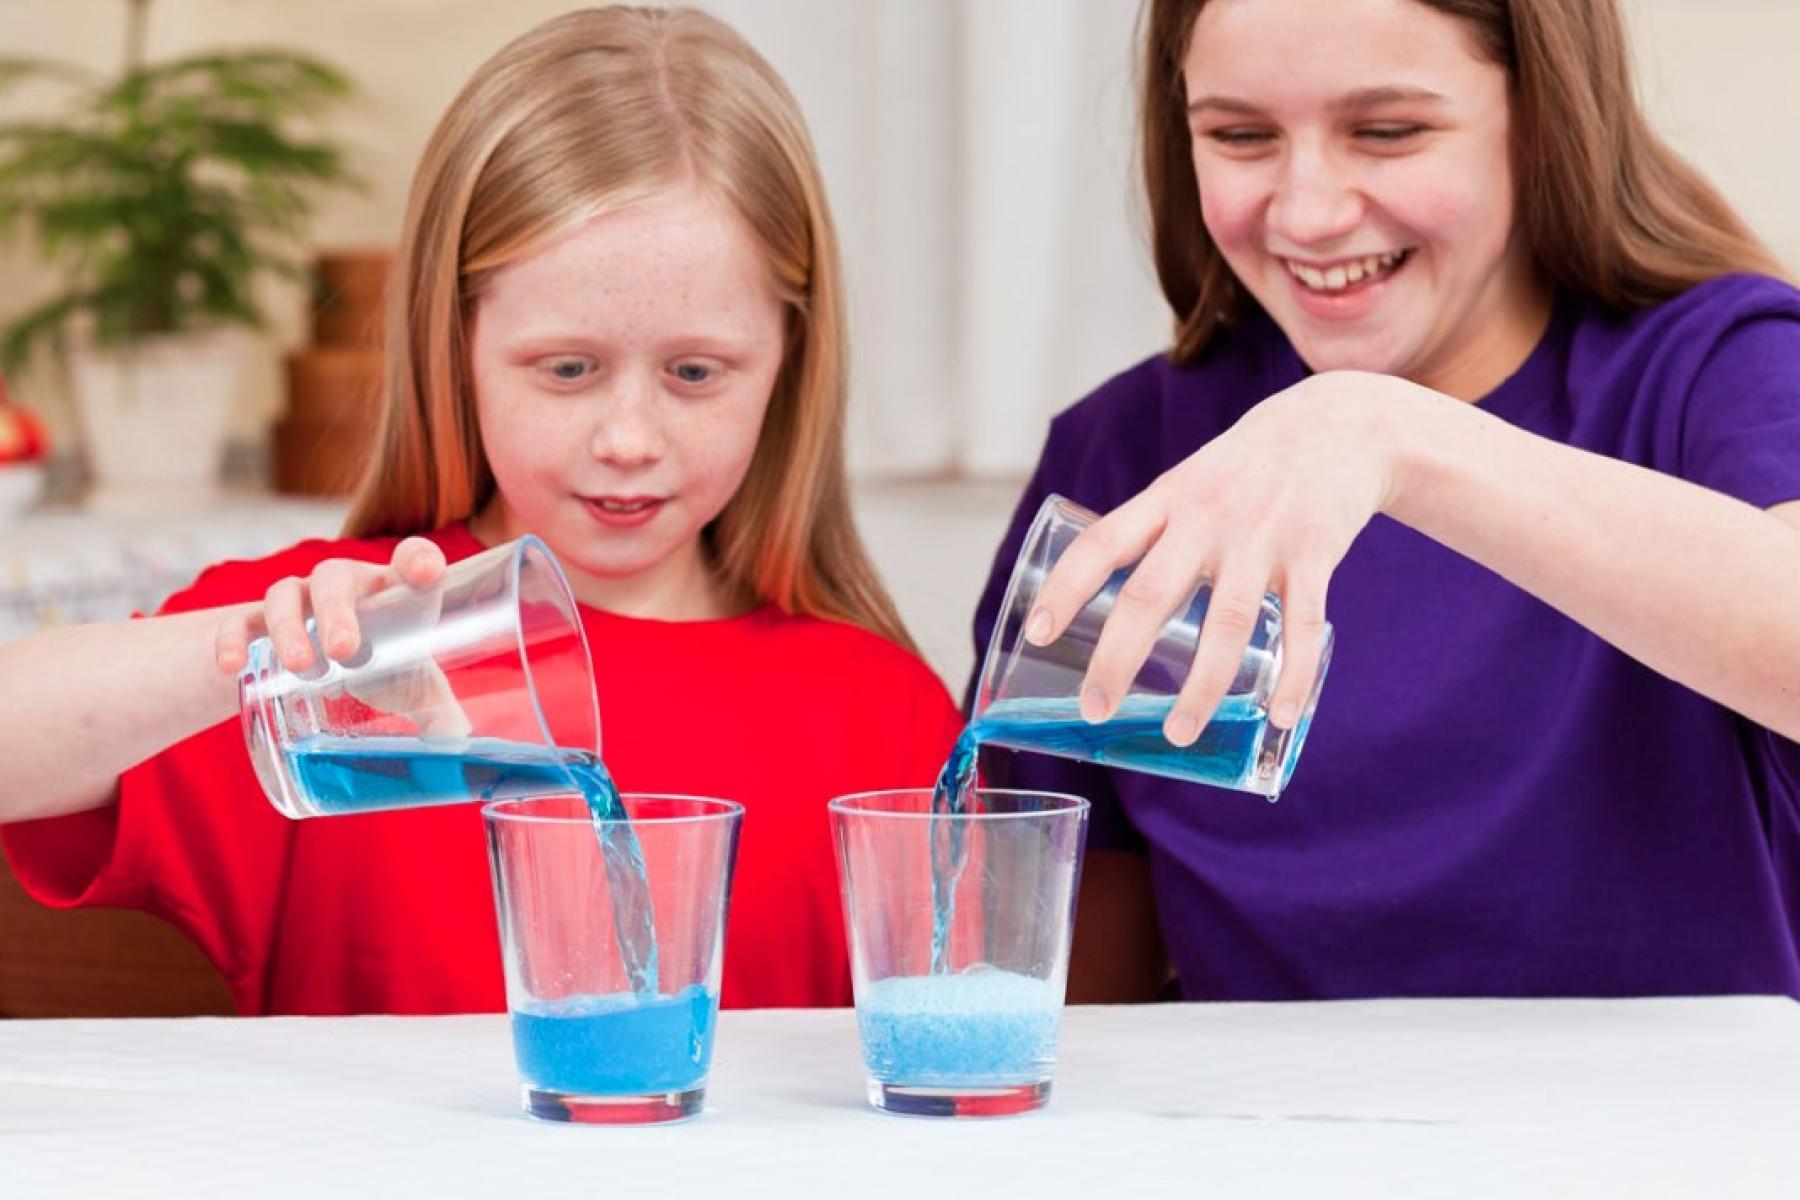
(618, 1045)
(1225, 754)
(354, 775)
(979, 1028)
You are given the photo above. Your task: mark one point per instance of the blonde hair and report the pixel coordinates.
(1607, 209)
(587, 113)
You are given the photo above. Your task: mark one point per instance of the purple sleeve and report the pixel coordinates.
(1108, 826)
(1742, 437)
(1741, 433)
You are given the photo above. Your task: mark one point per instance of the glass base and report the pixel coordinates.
(913, 1100)
(653, 1109)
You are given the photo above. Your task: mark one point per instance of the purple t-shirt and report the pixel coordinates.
(1492, 800)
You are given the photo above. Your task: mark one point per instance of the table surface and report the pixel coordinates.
(1695, 1097)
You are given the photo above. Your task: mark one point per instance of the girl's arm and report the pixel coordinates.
(1694, 584)
(80, 706)
(84, 704)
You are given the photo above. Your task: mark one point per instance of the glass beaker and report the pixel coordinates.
(1027, 697)
(959, 963)
(477, 688)
(592, 1045)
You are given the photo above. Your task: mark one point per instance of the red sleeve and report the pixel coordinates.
(191, 838)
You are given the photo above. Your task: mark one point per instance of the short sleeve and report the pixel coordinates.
(1741, 429)
(1741, 436)
(191, 840)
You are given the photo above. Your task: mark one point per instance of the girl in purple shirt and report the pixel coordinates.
(1458, 340)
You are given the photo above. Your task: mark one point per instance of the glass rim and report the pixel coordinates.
(499, 812)
(846, 805)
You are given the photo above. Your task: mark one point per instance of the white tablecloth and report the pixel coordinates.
(1431, 1098)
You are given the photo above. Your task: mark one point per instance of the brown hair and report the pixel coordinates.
(584, 114)
(1607, 209)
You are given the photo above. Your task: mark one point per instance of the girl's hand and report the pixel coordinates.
(420, 691)
(1271, 505)
(329, 595)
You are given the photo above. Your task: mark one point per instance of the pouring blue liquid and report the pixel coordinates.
(356, 775)
(1225, 755)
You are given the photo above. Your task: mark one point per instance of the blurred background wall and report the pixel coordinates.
(978, 156)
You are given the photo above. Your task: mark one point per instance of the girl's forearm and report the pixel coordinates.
(1694, 584)
(80, 705)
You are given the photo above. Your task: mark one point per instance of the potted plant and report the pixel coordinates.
(165, 195)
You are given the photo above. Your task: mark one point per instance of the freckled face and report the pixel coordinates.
(621, 376)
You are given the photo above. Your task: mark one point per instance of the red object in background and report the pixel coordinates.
(21, 433)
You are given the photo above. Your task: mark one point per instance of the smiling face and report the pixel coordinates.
(621, 375)
(1353, 166)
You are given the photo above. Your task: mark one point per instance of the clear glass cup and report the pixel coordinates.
(591, 1046)
(987, 894)
(478, 688)
(1027, 697)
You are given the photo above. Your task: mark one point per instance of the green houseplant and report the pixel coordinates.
(163, 196)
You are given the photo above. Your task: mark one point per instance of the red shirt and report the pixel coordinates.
(393, 912)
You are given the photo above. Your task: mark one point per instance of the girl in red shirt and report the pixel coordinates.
(617, 324)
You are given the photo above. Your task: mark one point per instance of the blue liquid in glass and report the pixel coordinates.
(354, 775)
(618, 1045)
(978, 1028)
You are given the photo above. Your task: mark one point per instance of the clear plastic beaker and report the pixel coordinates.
(477, 688)
(976, 1036)
(592, 1044)
(1028, 697)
